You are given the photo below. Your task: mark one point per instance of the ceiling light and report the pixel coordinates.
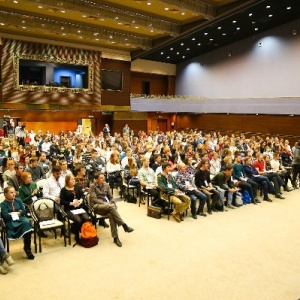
(78, 31)
(205, 33)
(110, 36)
(182, 44)
(62, 11)
(40, 6)
(234, 21)
(256, 29)
(238, 28)
(84, 16)
(161, 53)
(97, 39)
(250, 15)
(149, 3)
(199, 44)
(63, 33)
(96, 33)
(177, 53)
(270, 16)
(23, 27)
(168, 56)
(268, 6)
(224, 34)
(193, 39)
(183, 56)
(183, 13)
(2, 24)
(136, 27)
(188, 49)
(289, 7)
(171, 49)
(211, 39)
(166, 8)
(15, 1)
(219, 27)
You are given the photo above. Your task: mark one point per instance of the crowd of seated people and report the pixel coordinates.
(197, 168)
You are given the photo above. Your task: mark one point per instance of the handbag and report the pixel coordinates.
(44, 212)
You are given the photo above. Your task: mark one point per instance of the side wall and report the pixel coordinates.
(262, 66)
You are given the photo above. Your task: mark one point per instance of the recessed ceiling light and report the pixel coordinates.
(182, 44)
(268, 6)
(137, 27)
(183, 13)
(110, 36)
(62, 11)
(96, 33)
(80, 37)
(84, 16)
(224, 33)
(205, 33)
(193, 39)
(183, 56)
(40, 6)
(78, 31)
(2, 24)
(219, 27)
(238, 28)
(256, 29)
(166, 8)
(161, 53)
(234, 21)
(97, 39)
(289, 7)
(171, 49)
(188, 49)
(211, 39)
(250, 15)
(199, 44)
(23, 27)
(168, 56)
(177, 53)
(64, 33)
(270, 16)
(149, 3)
(15, 1)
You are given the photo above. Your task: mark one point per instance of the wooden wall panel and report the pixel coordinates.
(121, 98)
(158, 83)
(11, 47)
(54, 127)
(136, 125)
(265, 124)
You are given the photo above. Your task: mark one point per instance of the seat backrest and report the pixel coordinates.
(40, 183)
(2, 197)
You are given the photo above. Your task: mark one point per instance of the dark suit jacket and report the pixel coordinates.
(223, 181)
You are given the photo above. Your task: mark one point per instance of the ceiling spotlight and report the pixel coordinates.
(161, 53)
(183, 13)
(205, 33)
(219, 27)
(171, 49)
(40, 6)
(270, 16)
(166, 8)
(193, 39)
(168, 57)
(238, 28)
(224, 33)
(268, 6)
(211, 39)
(177, 53)
(250, 15)
(62, 11)
(256, 29)
(188, 49)
(2, 24)
(149, 3)
(199, 44)
(234, 21)
(289, 7)
(182, 44)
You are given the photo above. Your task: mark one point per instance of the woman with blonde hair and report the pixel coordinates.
(71, 198)
(10, 171)
(113, 168)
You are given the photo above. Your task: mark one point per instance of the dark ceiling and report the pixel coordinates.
(243, 21)
(162, 30)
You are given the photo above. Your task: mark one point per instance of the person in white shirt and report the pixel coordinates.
(276, 167)
(64, 172)
(52, 187)
(215, 164)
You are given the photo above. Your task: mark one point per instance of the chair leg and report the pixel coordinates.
(34, 240)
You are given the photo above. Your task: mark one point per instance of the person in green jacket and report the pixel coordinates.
(167, 184)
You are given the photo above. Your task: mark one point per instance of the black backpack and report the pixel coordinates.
(130, 199)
